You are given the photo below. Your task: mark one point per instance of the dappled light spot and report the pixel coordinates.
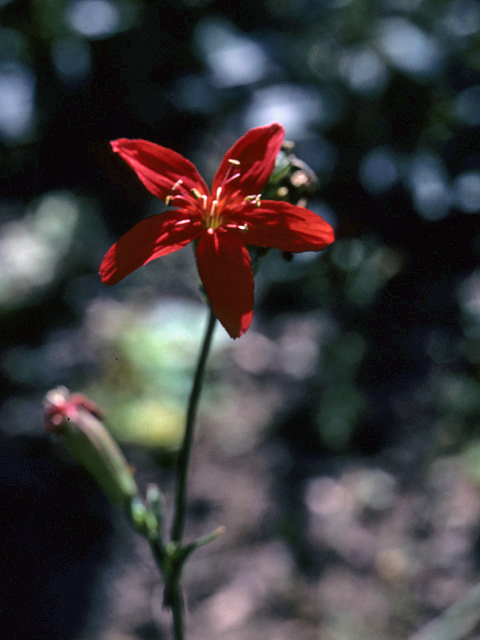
(195, 93)
(17, 102)
(296, 107)
(378, 170)
(364, 70)
(97, 19)
(256, 354)
(427, 179)
(467, 191)
(298, 348)
(233, 59)
(72, 59)
(326, 497)
(469, 296)
(93, 18)
(32, 248)
(463, 17)
(466, 106)
(409, 48)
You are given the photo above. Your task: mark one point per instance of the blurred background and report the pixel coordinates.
(339, 439)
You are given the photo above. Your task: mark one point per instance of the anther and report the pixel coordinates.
(177, 184)
(196, 193)
(232, 161)
(168, 200)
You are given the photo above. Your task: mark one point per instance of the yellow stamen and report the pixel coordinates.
(177, 184)
(255, 199)
(196, 193)
(232, 161)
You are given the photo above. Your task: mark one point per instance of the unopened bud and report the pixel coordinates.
(291, 180)
(76, 419)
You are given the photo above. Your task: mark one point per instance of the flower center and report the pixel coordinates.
(211, 210)
(211, 207)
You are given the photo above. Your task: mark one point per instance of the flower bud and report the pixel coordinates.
(76, 419)
(292, 179)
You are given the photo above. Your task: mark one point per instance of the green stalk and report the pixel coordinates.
(175, 597)
(184, 454)
(177, 612)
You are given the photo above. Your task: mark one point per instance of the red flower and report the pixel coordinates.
(223, 221)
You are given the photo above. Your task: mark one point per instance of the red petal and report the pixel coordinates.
(224, 267)
(149, 239)
(159, 168)
(256, 151)
(284, 226)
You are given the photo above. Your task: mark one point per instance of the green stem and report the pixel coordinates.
(175, 596)
(184, 454)
(177, 612)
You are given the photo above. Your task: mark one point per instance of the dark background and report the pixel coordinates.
(383, 102)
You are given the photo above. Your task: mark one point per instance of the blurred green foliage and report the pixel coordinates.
(147, 366)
